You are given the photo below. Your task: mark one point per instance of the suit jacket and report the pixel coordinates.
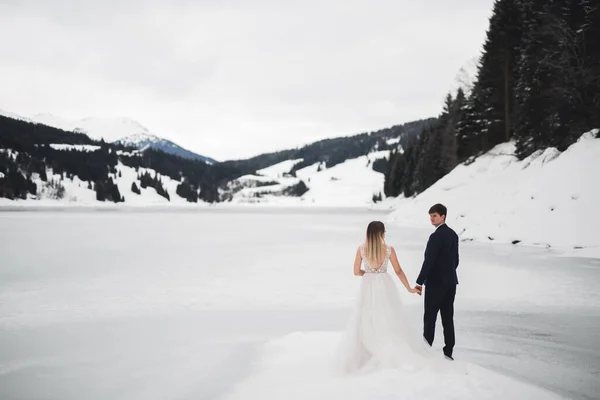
(441, 259)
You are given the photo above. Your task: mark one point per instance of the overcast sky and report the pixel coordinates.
(232, 79)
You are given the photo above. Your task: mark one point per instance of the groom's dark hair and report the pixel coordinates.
(438, 208)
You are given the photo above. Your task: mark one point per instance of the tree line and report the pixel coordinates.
(538, 84)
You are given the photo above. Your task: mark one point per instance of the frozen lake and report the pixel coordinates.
(151, 304)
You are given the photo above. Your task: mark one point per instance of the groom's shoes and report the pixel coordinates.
(449, 358)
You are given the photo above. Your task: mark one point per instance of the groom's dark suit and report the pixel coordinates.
(438, 273)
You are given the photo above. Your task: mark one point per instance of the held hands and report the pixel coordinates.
(417, 289)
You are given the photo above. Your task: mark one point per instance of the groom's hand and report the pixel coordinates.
(419, 289)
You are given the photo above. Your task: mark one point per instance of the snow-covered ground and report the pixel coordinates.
(393, 141)
(79, 194)
(547, 199)
(247, 303)
(349, 184)
(74, 147)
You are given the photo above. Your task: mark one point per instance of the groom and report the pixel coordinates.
(438, 273)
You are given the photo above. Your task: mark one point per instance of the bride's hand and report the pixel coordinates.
(414, 290)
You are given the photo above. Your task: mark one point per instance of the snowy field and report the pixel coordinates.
(249, 304)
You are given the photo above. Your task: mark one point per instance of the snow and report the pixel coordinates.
(76, 147)
(14, 116)
(78, 194)
(148, 196)
(588, 252)
(297, 366)
(10, 152)
(250, 179)
(135, 139)
(279, 169)
(128, 153)
(110, 129)
(393, 141)
(144, 141)
(351, 183)
(249, 303)
(545, 200)
(119, 130)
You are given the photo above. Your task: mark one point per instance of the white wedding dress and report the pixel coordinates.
(379, 334)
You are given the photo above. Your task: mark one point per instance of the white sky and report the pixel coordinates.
(232, 79)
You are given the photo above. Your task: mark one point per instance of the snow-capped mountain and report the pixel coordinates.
(14, 116)
(109, 129)
(143, 141)
(120, 130)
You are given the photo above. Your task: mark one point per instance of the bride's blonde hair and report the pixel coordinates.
(375, 243)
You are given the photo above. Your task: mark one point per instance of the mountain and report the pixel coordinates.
(14, 116)
(125, 131)
(333, 151)
(109, 129)
(45, 164)
(143, 141)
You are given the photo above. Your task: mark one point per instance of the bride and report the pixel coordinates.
(379, 335)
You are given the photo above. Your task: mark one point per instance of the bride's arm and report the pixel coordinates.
(357, 262)
(399, 272)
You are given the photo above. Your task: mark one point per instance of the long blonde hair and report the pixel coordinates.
(375, 244)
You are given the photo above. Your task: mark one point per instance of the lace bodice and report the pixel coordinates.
(382, 268)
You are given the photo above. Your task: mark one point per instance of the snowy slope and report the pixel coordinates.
(143, 141)
(548, 199)
(79, 193)
(349, 184)
(280, 169)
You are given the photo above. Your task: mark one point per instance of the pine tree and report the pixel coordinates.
(135, 189)
(393, 182)
(411, 155)
(590, 88)
(377, 197)
(448, 122)
(498, 72)
(559, 85)
(100, 193)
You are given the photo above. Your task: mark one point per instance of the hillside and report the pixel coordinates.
(548, 199)
(47, 165)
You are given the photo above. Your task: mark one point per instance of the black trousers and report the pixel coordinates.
(440, 298)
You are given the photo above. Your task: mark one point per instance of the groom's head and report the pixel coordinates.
(437, 214)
